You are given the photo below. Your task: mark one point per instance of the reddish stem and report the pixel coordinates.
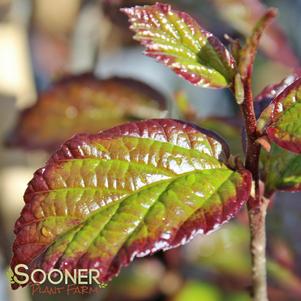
(257, 205)
(253, 148)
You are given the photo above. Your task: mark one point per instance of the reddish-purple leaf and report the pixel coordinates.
(266, 96)
(177, 40)
(281, 120)
(280, 169)
(272, 91)
(84, 103)
(104, 199)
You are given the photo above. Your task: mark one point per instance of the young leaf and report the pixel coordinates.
(83, 103)
(272, 91)
(281, 170)
(281, 120)
(104, 199)
(239, 89)
(177, 40)
(248, 52)
(242, 15)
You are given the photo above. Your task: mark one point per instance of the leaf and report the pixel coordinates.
(242, 15)
(281, 170)
(266, 96)
(248, 52)
(83, 103)
(272, 91)
(281, 120)
(176, 39)
(239, 89)
(104, 199)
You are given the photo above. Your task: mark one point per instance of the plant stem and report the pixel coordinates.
(257, 206)
(257, 217)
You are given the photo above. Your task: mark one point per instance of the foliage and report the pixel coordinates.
(84, 103)
(105, 198)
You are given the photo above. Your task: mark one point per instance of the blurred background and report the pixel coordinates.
(42, 41)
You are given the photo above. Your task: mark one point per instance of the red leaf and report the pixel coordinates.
(281, 119)
(83, 103)
(104, 199)
(272, 91)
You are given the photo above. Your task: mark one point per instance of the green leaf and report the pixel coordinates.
(104, 199)
(177, 40)
(281, 170)
(84, 103)
(281, 120)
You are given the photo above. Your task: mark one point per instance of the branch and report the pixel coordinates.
(257, 205)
